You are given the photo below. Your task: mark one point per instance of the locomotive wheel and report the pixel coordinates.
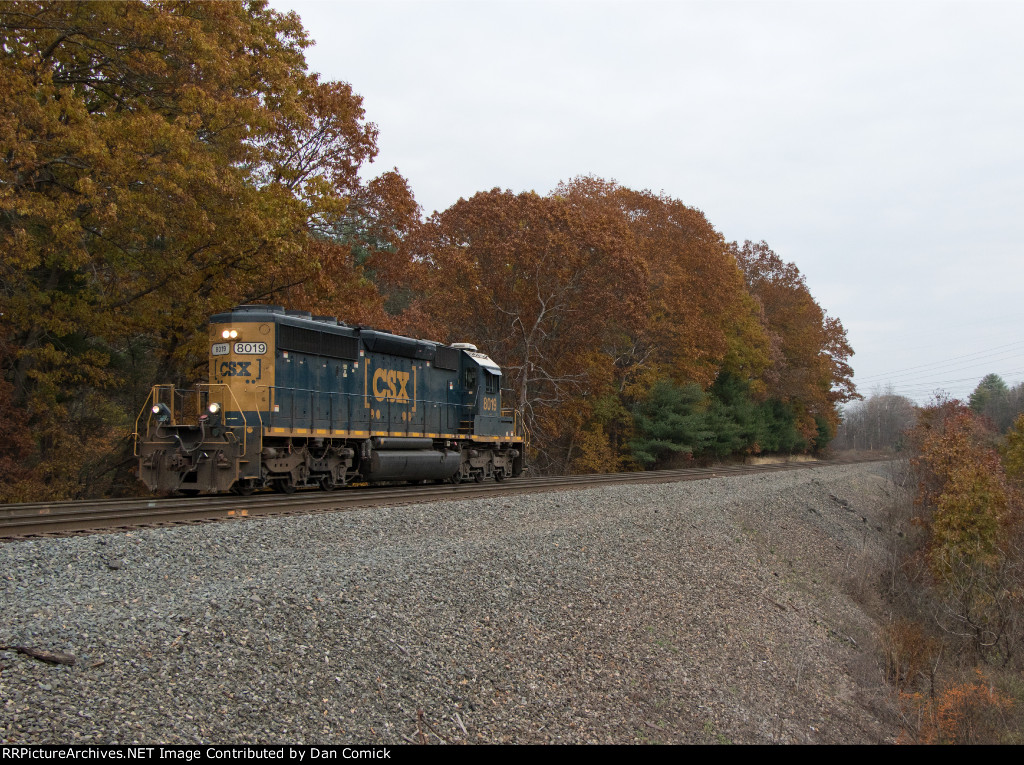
(499, 475)
(479, 476)
(327, 483)
(244, 488)
(283, 486)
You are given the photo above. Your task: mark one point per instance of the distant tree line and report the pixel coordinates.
(878, 423)
(881, 421)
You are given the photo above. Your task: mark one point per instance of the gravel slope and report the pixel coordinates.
(703, 612)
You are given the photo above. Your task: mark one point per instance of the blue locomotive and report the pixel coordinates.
(296, 400)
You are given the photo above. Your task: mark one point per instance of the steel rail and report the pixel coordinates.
(42, 519)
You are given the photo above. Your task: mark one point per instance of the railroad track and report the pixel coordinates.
(46, 519)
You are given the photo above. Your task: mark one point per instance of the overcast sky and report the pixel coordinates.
(877, 145)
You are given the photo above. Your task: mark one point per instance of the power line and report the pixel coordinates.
(958, 381)
(982, 353)
(973, 378)
(917, 389)
(983, 367)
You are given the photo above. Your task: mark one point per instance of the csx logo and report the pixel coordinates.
(235, 369)
(390, 385)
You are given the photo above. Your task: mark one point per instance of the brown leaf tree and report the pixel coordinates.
(540, 283)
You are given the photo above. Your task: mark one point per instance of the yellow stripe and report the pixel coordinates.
(306, 432)
(395, 434)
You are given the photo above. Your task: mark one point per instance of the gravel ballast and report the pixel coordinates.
(699, 612)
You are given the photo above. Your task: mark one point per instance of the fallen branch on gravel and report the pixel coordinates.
(51, 657)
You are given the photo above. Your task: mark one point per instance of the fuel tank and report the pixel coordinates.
(413, 465)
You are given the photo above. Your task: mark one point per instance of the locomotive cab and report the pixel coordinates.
(482, 396)
(485, 422)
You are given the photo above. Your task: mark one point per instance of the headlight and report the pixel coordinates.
(214, 408)
(234, 334)
(226, 334)
(156, 409)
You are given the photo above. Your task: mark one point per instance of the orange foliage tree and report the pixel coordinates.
(810, 350)
(542, 283)
(699, 318)
(158, 162)
(348, 268)
(973, 517)
(962, 486)
(964, 713)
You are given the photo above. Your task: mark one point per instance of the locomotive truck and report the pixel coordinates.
(295, 400)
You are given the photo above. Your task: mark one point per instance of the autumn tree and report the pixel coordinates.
(1013, 450)
(972, 712)
(160, 162)
(352, 267)
(16, 444)
(541, 283)
(973, 517)
(698, 323)
(699, 317)
(810, 369)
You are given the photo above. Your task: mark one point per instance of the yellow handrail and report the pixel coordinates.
(147, 409)
(154, 398)
(245, 423)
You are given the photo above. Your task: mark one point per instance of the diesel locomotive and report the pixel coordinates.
(295, 400)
